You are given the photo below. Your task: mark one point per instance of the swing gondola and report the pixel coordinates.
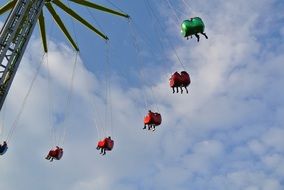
(105, 145)
(3, 148)
(151, 120)
(194, 26)
(181, 80)
(56, 154)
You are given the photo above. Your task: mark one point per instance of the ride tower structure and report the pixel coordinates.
(19, 26)
(15, 35)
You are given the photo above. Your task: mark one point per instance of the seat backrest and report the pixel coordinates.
(157, 119)
(109, 144)
(3, 150)
(185, 79)
(175, 80)
(59, 154)
(101, 143)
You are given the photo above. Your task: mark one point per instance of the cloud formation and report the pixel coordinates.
(227, 133)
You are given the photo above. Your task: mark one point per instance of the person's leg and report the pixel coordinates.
(204, 34)
(181, 90)
(186, 89)
(173, 89)
(197, 36)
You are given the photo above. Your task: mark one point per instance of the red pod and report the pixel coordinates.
(52, 153)
(185, 79)
(59, 153)
(148, 119)
(175, 80)
(56, 153)
(109, 144)
(101, 144)
(157, 119)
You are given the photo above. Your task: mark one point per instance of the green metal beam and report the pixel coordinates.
(7, 7)
(100, 7)
(79, 18)
(61, 25)
(42, 31)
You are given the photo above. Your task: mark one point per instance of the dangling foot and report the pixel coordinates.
(204, 35)
(186, 90)
(197, 36)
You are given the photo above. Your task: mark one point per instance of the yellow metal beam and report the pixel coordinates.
(61, 25)
(42, 31)
(7, 7)
(78, 18)
(100, 7)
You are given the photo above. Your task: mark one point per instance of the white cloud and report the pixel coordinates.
(227, 133)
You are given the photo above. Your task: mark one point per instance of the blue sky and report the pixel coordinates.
(226, 134)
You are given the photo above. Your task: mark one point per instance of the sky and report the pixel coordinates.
(226, 134)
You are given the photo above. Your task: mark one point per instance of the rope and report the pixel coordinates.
(103, 131)
(106, 99)
(177, 56)
(98, 132)
(188, 6)
(71, 86)
(15, 123)
(136, 46)
(181, 12)
(162, 27)
(171, 7)
(154, 98)
(69, 96)
(108, 75)
(50, 105)
(97, 120)
(155, 28)
(115, 6)
(143, 74)
(73, 25)
(185, 3)
(95, 20)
